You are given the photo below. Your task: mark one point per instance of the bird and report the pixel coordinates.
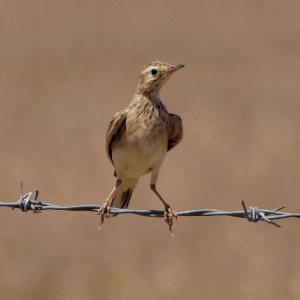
(139, 137)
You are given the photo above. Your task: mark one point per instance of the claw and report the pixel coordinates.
(169, 217)
(104, 209)
(104, 213)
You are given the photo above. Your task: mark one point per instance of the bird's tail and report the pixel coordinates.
(122, 198)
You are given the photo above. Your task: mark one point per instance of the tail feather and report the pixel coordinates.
(122, 198)
(126, 198)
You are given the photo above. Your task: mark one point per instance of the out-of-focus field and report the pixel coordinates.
(67, 66)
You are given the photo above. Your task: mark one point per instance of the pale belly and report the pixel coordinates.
(134, 158)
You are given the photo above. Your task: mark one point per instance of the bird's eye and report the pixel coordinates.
(153, 72)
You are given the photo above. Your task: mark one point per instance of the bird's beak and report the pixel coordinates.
(174, 68)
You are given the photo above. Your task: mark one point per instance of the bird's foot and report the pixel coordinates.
(104, 213)
(170, 214)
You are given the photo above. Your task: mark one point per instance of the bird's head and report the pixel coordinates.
(154, 75)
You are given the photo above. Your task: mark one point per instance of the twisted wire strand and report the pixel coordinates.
(27, 202)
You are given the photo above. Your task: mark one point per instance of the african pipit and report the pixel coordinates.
(139, 137)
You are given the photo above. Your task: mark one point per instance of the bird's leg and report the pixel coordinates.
(169, 213)
(104, 209)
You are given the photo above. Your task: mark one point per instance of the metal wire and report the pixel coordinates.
(27, 202)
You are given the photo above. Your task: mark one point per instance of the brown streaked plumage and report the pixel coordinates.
(139, 137)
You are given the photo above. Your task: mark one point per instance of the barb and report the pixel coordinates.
(27, 202)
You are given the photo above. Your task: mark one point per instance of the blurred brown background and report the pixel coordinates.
(67, 66)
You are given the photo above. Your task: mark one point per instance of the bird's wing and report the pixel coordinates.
(114, 130)
(175, 131)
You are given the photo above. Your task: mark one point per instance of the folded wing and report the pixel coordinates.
(115, 129)
(175, 131)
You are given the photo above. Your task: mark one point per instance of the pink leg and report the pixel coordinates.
(169, 213)
(104, 209)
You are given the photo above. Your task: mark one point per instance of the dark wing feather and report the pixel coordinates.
(175, 131)
(114, 130)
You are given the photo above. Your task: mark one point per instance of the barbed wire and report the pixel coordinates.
(29, 202)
